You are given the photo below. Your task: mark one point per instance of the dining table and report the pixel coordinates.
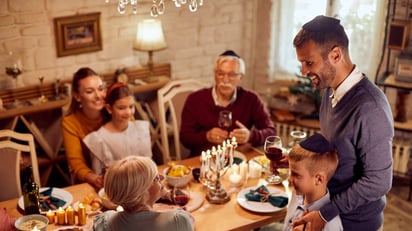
(208, 216)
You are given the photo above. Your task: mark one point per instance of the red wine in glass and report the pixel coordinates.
(225, 119)
(273, 153)
(180, 198)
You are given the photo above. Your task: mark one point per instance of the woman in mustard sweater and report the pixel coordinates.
(85, 116)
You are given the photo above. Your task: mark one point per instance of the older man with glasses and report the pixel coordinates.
(247, 119)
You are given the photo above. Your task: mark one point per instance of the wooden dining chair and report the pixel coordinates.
(13, 147)
(171, 99)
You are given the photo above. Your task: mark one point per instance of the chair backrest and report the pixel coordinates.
(171, 99)
(12, 145)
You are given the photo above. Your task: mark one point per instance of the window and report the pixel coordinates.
(363, 21)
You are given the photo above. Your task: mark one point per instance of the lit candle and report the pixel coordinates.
(235, 179)
(235, 168)
(61, 216)
(81, 213)
(70, 215)
(217, 159)
(50, 216)
(243, 168)
(255, 170)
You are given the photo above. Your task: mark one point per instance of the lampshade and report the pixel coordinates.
(149, 36)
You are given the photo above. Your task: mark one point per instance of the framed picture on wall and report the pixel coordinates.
(77, 34)
(398, 34)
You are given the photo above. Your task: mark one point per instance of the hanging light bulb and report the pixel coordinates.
(193, 6)
(121, 7)
(158, 6)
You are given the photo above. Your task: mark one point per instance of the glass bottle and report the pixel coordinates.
(31, 193)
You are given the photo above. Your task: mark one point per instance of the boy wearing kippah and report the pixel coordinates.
(312, 163)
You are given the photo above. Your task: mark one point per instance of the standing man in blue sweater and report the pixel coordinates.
(355, 116)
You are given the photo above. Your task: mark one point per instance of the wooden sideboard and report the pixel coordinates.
(25, 113)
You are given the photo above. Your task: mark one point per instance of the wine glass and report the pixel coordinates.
(273, 151)
(181, 195)
(13, 66)
(295, 138)
(225, 119)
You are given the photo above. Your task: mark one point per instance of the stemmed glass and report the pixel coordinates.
(273, 151)
(225, 119)
(13, 67)
(181, 195)
(42, 97)
(295, 138)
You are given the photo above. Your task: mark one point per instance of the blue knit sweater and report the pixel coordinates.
(361, 128)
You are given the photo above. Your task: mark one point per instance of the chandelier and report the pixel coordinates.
(158, 6)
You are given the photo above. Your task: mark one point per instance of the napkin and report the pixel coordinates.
(262, 194)
(48, 201)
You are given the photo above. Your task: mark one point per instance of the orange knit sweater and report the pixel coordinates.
(75, 127)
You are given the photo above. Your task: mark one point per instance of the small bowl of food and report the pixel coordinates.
(31, 222)
(178, 175)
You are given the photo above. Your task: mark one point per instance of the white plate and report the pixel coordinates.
(57, 192)
(239, 155)
(260, 207)
(106, 202)
(71, 228)
(196, 200)
(262, 160)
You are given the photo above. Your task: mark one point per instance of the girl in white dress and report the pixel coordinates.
(119, 136)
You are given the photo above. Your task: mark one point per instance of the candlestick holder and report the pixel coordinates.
(42, 97)
(57, 88)
(215, 163)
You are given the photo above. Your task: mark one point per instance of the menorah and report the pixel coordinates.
(215, 163)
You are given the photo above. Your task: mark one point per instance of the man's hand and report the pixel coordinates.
(316, 221)
(304, 227)
(216, 135)
(242, 134)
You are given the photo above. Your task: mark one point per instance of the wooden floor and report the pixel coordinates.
(397, 214)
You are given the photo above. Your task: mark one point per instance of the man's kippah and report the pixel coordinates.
(317, 143)
(321, 24)
(230, 53)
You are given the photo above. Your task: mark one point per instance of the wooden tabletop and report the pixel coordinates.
(228, 216)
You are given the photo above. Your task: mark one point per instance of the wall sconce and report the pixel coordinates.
(149, 37)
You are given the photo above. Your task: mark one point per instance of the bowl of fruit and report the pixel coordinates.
(178, 175)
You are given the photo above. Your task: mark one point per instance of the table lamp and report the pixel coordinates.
(149, 37)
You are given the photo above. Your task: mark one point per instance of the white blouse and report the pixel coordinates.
(107, 147)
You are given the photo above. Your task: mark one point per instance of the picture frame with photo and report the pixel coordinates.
(77, 34)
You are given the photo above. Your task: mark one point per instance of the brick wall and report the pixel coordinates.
(193, 39)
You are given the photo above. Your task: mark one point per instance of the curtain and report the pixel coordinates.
(364, 22)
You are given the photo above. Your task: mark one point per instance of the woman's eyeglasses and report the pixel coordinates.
(158, 178)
